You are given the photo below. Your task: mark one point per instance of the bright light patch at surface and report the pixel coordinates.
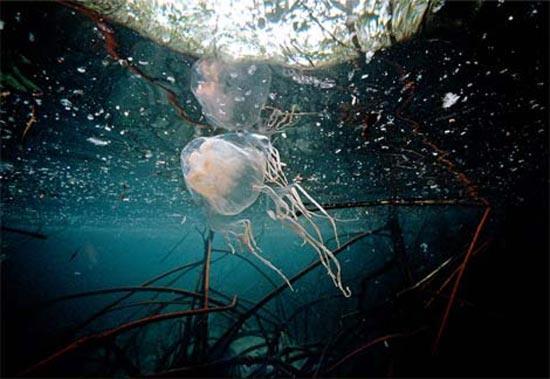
(306, 33)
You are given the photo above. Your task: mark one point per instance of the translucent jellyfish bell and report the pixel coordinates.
(231, 94)
(227, 173)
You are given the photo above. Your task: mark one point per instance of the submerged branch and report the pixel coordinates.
(103, 291)
(201, 323)
(105, 309)
(105, 335)
(240, 360)
(366, 346)
(461, 270)
(400, 202)
(169, 253)
(223, 342)
(24, 232)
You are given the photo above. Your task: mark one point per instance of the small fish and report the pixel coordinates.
(73, 256)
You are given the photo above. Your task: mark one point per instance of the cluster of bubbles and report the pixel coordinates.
(227, 173)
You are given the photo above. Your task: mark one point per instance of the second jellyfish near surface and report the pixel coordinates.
(231, 94)
(227, 173)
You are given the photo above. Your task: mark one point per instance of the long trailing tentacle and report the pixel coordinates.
(275, 174)
(321, 209)
(287, 208)
(326, 256)
(246, 236)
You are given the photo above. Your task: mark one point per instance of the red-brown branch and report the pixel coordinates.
(461, 270)
(366, 346)
(111, 46)
(206, 271)
(470, 187)
(410, 86)
(481, 247)
(30, 122)
(398, 202)
(105, 335)
(202, 322)
(222, 342)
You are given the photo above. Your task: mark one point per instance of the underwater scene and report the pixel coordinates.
(274, 188)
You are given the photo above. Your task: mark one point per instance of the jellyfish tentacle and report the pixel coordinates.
(228, 172)
(328, 260)
(322, 210)
(276, 174)
(325, 255)
(250, 242)
(275, 171)
(273, 267)
(293, 205)
(296, 201)
(296, 207)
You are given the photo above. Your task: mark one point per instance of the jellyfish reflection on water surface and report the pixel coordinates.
(231, 95)
(227, 173)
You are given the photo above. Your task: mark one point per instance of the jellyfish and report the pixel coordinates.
(231, 95)
(227, 173)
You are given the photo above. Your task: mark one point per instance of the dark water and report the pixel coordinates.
(93, 199)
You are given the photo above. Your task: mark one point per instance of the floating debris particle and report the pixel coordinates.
(66, 103)
(97, 141)
(450, 99)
